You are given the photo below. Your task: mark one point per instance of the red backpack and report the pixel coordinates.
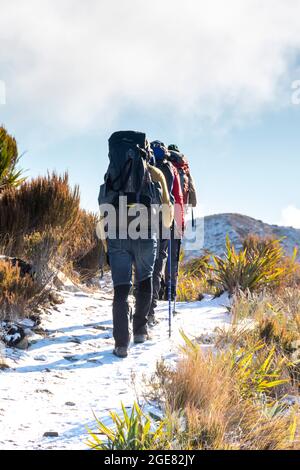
(181, 163)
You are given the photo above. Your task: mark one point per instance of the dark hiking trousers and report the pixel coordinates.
(123, 255)
(175, 253)
(159, 269)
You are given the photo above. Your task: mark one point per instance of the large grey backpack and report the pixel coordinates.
(127, 174)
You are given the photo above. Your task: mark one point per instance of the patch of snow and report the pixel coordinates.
(74, 364)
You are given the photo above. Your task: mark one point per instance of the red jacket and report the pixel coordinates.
(179, 203)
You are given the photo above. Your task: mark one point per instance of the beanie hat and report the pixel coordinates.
(173, 147)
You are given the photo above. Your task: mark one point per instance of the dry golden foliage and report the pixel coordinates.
(205, 389)
(37, 206)
(18, 293)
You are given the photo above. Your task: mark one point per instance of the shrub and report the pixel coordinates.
(42, 223)
(37, 218)
(45, 251)
(18, 293)
(278, 330)
(9, 159)
(37, 206)
(134, 431)
(194, 278)
(83, 237)
(88, 265)
(256, 246)
(190, 289)
(276, 317)
(84, 248)
(223, 398)
(250, 269)
(198, 267)
(272, 319)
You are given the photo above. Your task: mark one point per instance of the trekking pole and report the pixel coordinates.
(170, 287)
(176, 280)
(174, 308)
(101, 261)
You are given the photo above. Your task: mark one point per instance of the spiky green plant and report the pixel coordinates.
(134, 431)
(195, 278)
(10, 176)
(258, 370)
(249, 269)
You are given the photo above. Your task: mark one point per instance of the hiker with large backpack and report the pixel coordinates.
(181, 163)
(181, 166)
(130, 176)
(172, 179)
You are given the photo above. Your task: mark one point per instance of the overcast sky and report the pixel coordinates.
(215, 77)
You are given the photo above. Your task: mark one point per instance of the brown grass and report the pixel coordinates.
(195, 279)
(19, 294)
(37, 206)
(43, 224)
(205, 389)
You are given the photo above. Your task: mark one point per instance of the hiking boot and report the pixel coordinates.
(139, 339)
(120, 351)
(152, 321)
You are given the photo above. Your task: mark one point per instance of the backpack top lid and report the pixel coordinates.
(159, 149)
(130, 137)
(125, 145)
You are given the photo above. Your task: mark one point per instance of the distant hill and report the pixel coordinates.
(238, 226)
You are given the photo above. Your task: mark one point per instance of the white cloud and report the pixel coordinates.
(290, 217)
(78, 65)
(2, 92)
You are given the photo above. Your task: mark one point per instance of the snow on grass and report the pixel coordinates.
(57, 384)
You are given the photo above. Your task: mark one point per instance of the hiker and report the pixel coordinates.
(189, 198)
(161, 154)
(130, 175)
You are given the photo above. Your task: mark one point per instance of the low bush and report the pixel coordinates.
(18, 294)
(274, 319)
(195, 278)
(227, 399)
(37, 206)
(134, 431)
(256, 267)
(84, 248)
(42, 223)
(10, 176)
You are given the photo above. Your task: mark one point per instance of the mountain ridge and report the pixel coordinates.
(238, 227)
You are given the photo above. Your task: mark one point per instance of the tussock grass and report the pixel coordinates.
(274, 319)
(260, 265)
(226, 400)
(134, 431)
(195, 278)
(19, 294)
(42, 204)
(42, 223)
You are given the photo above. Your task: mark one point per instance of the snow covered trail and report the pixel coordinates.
(57, 384)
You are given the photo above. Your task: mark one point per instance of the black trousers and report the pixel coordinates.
(159, 269)
(143, 299)
(175, 253)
